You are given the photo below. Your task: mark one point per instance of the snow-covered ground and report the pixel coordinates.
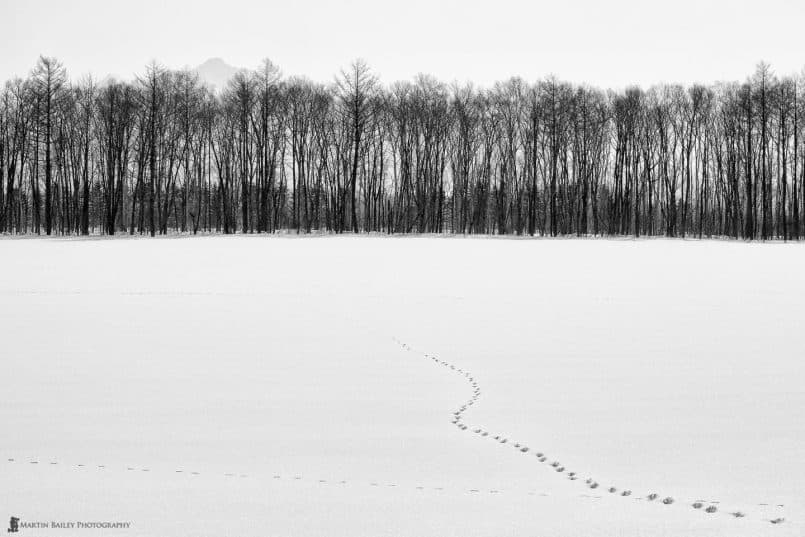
(258, 386)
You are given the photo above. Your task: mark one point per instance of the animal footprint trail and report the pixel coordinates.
(228, 475)
(379, 485)
(457, 418)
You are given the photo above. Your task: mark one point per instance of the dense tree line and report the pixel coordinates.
(165, 153)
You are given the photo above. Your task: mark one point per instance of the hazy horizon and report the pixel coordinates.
(621, 44)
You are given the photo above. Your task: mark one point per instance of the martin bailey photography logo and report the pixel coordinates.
(15, 525)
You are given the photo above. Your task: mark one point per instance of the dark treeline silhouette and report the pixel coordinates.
(164, 153)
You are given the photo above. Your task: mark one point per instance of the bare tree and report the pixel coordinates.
(48, 78)
(355, 87)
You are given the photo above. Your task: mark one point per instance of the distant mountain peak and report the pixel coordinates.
(216, 72)
(214, 62)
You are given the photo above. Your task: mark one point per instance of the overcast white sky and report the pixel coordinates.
(608, 43)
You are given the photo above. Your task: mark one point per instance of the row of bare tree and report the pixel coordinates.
(165, 153)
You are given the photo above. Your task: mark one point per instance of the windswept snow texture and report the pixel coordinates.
(259, 386)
